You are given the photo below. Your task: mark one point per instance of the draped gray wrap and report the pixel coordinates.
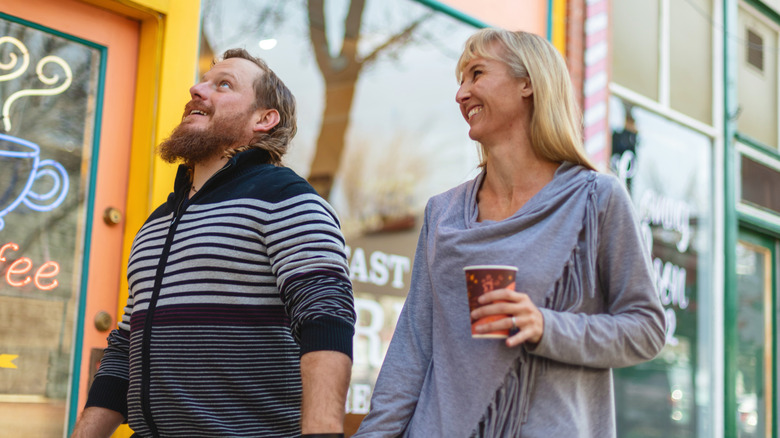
(580, 258)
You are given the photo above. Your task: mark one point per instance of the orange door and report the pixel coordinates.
(67, 73)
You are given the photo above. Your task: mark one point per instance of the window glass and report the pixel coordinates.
(379, 131)
(757, 83)
(635, 38)
(48, 93)
(754, 340)
(760, 184)
(667, 169)
(691, 58)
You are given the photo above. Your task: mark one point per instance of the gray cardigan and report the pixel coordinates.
(581, 259)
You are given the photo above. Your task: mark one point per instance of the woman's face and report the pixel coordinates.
(496, 105)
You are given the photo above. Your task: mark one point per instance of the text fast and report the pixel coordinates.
(378, 268)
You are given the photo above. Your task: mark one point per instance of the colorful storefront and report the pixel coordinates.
(86, 88)
(693, 112)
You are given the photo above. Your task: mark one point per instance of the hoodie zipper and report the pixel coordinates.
(147, 333)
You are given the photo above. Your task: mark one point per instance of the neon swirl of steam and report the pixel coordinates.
(14, 59)
(40, 92)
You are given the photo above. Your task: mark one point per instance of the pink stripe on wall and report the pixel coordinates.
(594, 99)
(599, 66)
(596, 132)
(596, 7)
(600, 35)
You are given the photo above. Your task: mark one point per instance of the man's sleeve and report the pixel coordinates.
(307, 252)
(109, 389)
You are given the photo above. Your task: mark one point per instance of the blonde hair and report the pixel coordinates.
(556, 122)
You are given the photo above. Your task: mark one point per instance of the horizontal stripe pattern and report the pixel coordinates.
(208, 382)
(243, 275)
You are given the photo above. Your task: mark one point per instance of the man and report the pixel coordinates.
(240, 315)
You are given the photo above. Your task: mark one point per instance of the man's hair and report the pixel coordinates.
(556, 122)
(270, 93)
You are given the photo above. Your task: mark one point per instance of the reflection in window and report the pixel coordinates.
(379, 131)
(754, 350)
(666, 168)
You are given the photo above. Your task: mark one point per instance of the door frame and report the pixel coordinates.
(106, 180)
(761, 234)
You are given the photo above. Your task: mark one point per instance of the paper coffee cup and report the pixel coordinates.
(481, 279)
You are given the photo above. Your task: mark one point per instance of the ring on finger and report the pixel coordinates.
(514, 323)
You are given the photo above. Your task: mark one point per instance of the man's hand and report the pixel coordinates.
(96, 422)
(325, 376)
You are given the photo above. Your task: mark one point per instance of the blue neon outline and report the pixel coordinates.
(35, 156)
(59, 180)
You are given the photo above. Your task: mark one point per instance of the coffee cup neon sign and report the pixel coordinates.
(20, 159)
(16, 273)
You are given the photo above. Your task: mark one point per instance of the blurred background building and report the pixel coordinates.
(680, 100)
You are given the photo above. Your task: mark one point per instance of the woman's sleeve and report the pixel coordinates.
(404, 368)
(632, 328)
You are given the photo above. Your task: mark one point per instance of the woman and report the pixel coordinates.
(585, 302)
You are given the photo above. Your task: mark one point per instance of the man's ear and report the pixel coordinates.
(265, 120)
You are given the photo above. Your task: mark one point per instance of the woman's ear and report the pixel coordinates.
(265, 120)
(526, 88)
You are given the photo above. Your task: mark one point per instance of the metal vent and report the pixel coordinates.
(755, 50)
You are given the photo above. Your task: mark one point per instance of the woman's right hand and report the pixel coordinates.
(522, 315)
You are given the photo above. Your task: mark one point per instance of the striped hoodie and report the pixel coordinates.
(227, 290)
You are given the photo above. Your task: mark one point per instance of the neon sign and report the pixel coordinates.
(16, 274)
(20, 159)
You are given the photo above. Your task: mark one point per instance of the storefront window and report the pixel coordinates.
(378, 131)
(667, 170)
(690, 58)
(757, 77)
(48, 94)
(635, 60)
(663, 50)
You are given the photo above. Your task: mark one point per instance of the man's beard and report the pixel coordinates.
(193, 146)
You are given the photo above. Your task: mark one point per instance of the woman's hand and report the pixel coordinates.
(523, 315)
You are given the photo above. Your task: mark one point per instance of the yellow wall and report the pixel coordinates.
(558, 32)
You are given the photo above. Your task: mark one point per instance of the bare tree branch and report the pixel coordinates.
(352, 29)
(398, 38)
(318, 35)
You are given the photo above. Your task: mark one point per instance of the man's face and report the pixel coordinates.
(220, 115)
